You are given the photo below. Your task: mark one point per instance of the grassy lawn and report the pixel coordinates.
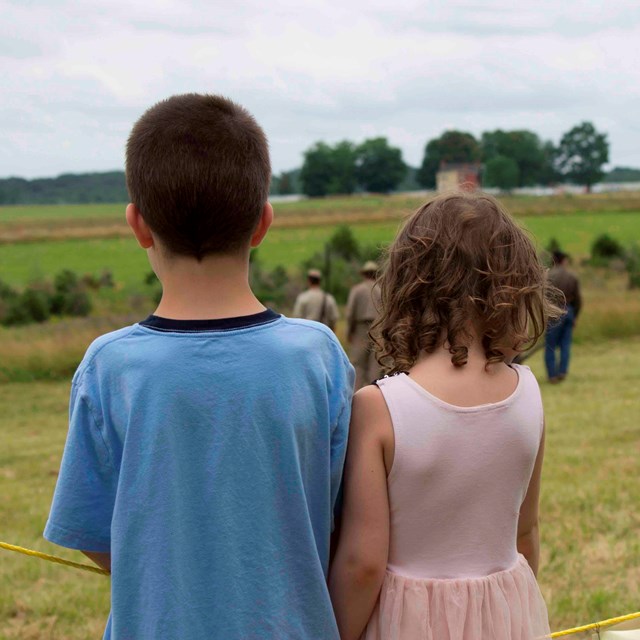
(590, 566)
(22, 262)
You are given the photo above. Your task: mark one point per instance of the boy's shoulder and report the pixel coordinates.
(100, 346)
(310, 330)
(315, 337)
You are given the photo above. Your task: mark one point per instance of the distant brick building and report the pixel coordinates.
(458, 176)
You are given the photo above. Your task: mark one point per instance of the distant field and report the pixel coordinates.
(590, 565)
(21, 262)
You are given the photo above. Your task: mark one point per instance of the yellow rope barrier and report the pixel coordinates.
(596, 625)
(46, 556)
(87, 567)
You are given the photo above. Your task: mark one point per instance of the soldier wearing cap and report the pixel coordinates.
(316, 304)
(362, 309)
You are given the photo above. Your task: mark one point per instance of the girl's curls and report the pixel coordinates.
(461, 262)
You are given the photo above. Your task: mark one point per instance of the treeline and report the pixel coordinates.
(506, 159)
(69, 188)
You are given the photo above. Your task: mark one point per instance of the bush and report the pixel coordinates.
(106, 280)
(605, 248)
(36, 304)
(270, 287)
(343, 243)
(77, 303)
(66, 281)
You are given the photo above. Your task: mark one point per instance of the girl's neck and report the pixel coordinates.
(469, 385)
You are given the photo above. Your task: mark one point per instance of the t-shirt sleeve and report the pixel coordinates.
(84, 497)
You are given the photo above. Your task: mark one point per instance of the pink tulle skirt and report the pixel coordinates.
(506, 605)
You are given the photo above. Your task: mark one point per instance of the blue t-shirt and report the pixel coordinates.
(206, 457)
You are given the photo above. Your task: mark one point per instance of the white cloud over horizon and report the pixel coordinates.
(77, 75)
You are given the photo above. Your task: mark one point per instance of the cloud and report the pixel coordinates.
(76, 76)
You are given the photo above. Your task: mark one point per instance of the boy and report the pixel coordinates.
(206, 443)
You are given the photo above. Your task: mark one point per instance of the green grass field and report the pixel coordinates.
(590, 523)
(22, 262)
(590, 566)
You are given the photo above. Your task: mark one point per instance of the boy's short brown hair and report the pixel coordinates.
(198, 170)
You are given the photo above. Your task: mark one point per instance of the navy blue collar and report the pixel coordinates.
(218, 324)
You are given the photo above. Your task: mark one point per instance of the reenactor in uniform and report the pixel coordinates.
(316, 304)
(362, 309)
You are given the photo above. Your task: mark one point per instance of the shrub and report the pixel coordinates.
(66, 281)
(106, 280)
(77, 303)
(343, 243)
(605, 248)
(36, 304)
(270, 287)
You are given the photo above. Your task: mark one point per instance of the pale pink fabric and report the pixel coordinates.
(458, 479)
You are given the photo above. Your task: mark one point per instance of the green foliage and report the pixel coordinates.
(272, 288)
(409, 182)
(581, 154)
(329, 170)
(65, 189)
(341, 260)
(36, 304)
(39, 301)
(524, 148)
(623, 174)
(451, 147)
(501, 172)
(606, 248)
(286, 183)
(553, 245)
(344, 244)
(380, 167)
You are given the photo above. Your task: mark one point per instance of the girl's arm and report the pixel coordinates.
(528, 533)
(361, 558)
(103, 560)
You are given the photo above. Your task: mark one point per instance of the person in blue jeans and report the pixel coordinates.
(560, 333)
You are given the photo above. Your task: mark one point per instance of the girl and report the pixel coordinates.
(439, 536)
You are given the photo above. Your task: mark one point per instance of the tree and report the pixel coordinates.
(284, 184)
(329, 170)
(451, 146)
(549, 173)
(379, 167)
(501, 172)
(523, 147)
(581, 154)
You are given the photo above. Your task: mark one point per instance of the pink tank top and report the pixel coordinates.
(458, 478)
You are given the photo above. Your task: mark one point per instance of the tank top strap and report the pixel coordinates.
(400, 404)
(530, 392)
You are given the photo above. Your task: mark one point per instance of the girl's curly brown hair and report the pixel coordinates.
(461, 265)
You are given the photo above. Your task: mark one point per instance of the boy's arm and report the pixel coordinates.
(361, 558)
(528, 533)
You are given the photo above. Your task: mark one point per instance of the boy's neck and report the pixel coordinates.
(217, 287)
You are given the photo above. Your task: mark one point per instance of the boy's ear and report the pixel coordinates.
(263, 225)
(139, 227)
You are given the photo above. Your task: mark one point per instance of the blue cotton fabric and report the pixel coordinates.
(208, 463)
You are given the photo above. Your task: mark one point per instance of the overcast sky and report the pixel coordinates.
(75, 75)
